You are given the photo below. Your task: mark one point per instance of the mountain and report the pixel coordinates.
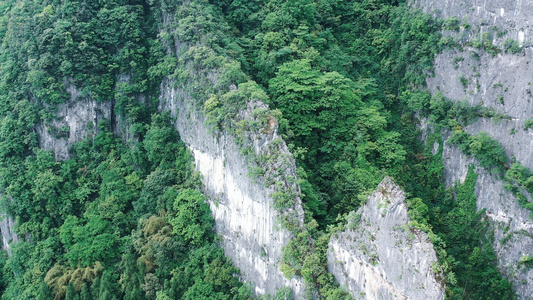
(268, 148)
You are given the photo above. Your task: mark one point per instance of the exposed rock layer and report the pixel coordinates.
(7, 231)
(74, 120)
(502, 81)
(379, 256)
(242, 207)
(511, 224)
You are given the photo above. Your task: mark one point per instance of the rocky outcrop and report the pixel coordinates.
(512, 17)
(503, 83)
(501, 80)
(510, 223)
(7, 231)
(247, 223)
(242, 206)
(74, 120)
(379, 256)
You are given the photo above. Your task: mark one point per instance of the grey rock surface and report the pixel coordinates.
(7, 231)
(504, 82)
(74, 120)
(511, 15)
(249, 227)
(379, 256)
(511, 224)
(242, 207)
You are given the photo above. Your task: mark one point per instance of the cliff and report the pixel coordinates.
(73, 121)
(7, 231)
(226, 152)
(379, 256)
(494, 74)
(243, 207)
(249, 226)
(510, 223)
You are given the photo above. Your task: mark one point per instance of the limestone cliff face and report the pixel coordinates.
(74, 120)
(511, 15)
(379, 256)
(7, 231)
(246, 221)
(511, 224)
(502, 81)
(242, 206)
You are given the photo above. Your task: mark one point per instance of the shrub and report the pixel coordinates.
(511, 46)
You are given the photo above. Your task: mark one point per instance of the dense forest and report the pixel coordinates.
(124, 216)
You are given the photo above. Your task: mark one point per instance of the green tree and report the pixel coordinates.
(90, 242)
(71, 292)
(131, 278)
(192, 222)
(44, 292)
(321, 107)
(160, 140)
(85, 294)
(468, 244)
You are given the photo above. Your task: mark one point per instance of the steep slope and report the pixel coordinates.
(232, 134)
(492, 68)
(78, 166)
(243, 207)
(74, 121)
(72, 83)
(380, 256)
(7, 232)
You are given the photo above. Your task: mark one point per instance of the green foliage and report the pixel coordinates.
(520, 175)
(393, 47)
(193, 221)
(87, 207)
(88, 243)
(207, 273)
(44, 292)
(126, 220)
(485, 43)
(313, 102)
(160, 140)
(511, 46)
(452, 23)
(327, 109)
(89, 47)
(222, 111)
(418, 210)
(528, 123)
(467, 243)
(526, 261)
(489, 152)
(445, 113)
(464, 81)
